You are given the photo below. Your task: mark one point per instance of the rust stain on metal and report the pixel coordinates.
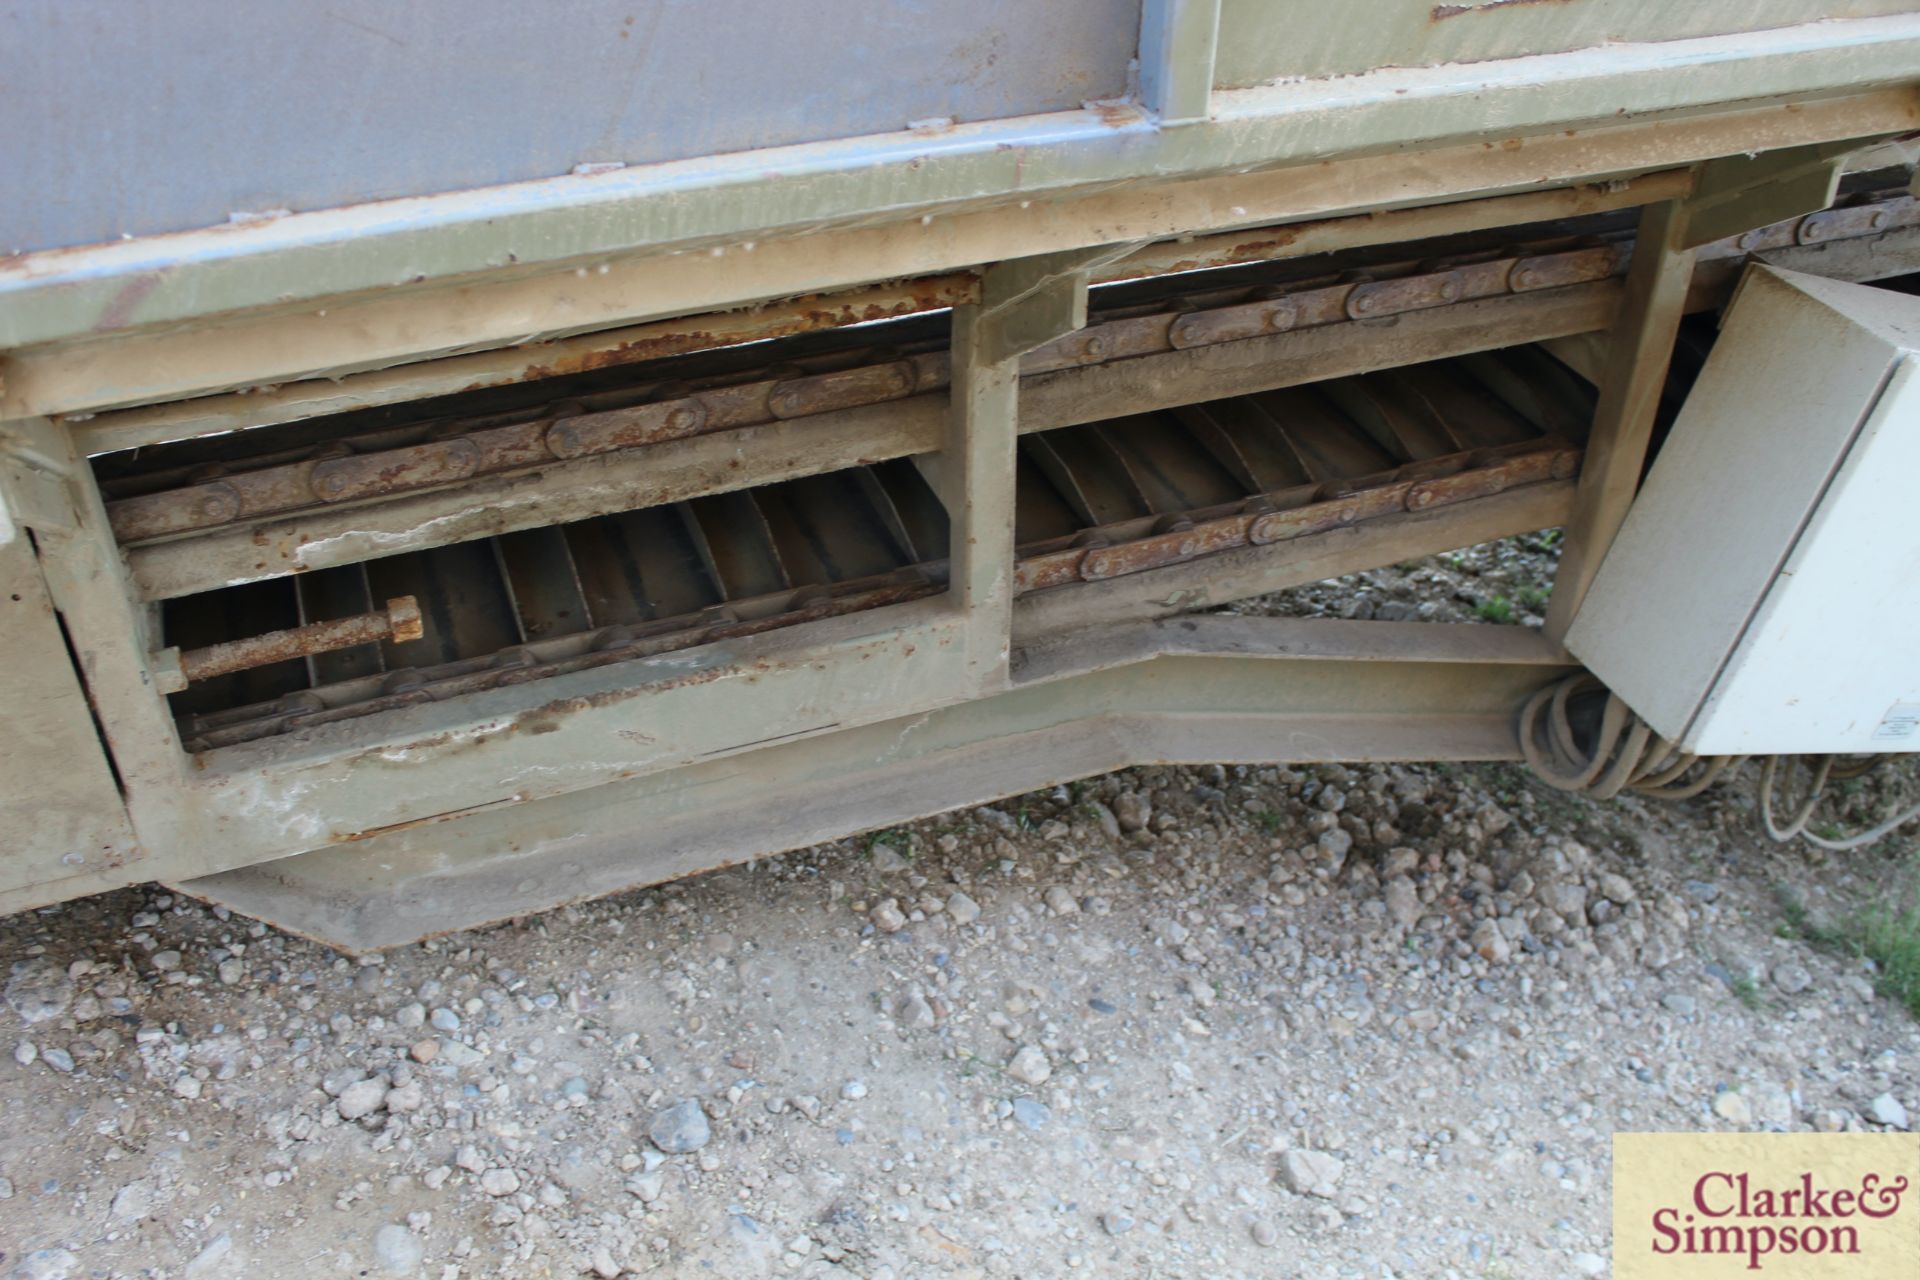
(400, 621)
(625, 428)
(805, 314)
(1413, 293)
(842, 389)
(174, 511)
(1554, 270)
(441, 462)
(1117, 112)
(1229, 324)
(119, 312)
(1172, 547)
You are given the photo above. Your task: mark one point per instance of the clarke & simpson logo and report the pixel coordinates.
(1727, 1216)
(1788, 1206)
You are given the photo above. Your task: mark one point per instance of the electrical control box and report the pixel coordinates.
(1763, 595)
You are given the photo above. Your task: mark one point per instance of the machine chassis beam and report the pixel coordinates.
(1191, 690)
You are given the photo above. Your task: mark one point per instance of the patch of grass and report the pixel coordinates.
(1268, 821)
(1534, 599)
(1891, 939)
(1886, 932)
(1747, 991)
(1498, 610)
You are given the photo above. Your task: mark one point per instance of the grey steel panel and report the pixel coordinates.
(171, 114)
(1262, 41)
(1563, 112)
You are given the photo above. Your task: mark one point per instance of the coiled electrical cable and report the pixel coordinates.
(1824, 768)
(1577, 735)
(1621, 752)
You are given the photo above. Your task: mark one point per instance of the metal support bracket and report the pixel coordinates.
(1738, 193)
(977, 485)
(1178, 39)
(1024, 303)
(1028, 302)
(38, 495)
(1632, 375)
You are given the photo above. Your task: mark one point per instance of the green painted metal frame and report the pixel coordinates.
(333, 292)
(1212, 689)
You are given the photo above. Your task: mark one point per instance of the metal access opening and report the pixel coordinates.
(544, 602)
(322, 570)
(1095, 501)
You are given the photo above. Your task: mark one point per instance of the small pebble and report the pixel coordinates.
(1792, 977)
(361, 1098)
(1029, 1065)
(499, 1182)
(680, 1128)
(1887, 1110)
(397, 1250)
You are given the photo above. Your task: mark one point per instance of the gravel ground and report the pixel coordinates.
(1370, 1021)
(1504, 582)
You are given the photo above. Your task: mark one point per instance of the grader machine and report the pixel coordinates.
(459, 459)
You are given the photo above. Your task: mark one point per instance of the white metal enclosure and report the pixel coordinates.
(1764, 593)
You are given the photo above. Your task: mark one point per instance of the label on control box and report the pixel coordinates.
(1902, 721)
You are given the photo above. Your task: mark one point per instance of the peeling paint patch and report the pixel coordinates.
(1441, 12)
(119, 312)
